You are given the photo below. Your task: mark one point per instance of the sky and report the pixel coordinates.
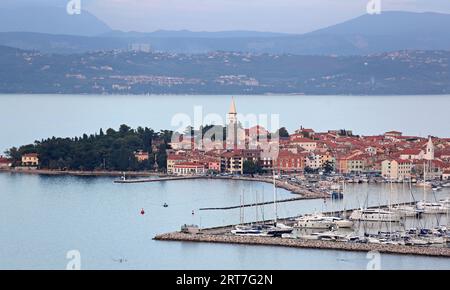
(289, 16)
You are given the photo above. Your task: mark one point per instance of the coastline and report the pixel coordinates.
(82, 173)
(294, 189)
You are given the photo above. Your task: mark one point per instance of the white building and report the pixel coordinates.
(398, 169)
(189, 168)
(429, 151)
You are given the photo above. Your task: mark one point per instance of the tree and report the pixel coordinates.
(328, 167)
(111, 151)
(251, 167)
(283, 132)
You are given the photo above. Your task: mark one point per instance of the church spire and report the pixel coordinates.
(232, 107)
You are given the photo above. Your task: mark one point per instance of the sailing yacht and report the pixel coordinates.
(379, 215)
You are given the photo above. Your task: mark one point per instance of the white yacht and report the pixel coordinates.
(380, 215)
(407, 210)
(445, 202)
(432, 207)
(314, 222)
(339, 222)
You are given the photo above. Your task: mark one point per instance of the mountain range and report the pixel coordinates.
(51, 30)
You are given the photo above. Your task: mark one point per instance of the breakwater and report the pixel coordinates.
(212, 237)
(294, 188)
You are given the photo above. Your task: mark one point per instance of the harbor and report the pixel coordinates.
(410, 242)
(407, 228)
(221, 236)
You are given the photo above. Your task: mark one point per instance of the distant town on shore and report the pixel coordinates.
(391, 155)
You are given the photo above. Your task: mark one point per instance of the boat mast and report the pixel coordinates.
(275, 198)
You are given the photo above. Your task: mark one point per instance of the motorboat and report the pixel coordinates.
(241, 230)
(407, 210)
(314, 222)
(277, 230)
(379, 215)
(339, 222)
(432, 207)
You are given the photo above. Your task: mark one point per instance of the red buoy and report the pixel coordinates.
(142, 211)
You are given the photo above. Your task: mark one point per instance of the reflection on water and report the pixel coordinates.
(42, 218)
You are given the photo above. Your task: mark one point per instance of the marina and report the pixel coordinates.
(369, 228)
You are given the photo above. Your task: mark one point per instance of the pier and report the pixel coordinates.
(222, 234)
(293, 188)
(252, 204)
(214, 237)
(158, 179)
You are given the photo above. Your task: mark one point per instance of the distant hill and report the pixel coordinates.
(364, 35)
(401, 72)
(194, 34)
(51, 20)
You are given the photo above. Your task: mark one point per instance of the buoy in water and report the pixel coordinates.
(142, 211)
(193, 212)
(166, 205)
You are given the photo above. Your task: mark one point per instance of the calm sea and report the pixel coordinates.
(43, 218)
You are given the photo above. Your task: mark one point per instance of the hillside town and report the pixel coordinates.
(391, 155)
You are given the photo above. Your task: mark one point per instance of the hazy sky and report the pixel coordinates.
(293, 16)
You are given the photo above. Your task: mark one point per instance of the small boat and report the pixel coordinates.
(247, 231)
(313, 236)
(277, 230)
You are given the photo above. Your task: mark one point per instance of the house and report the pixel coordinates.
(173, 159)
(305, 143)
(396, 169)
(394, 134)
(232, 162)
(5, 163)
(30, 159)
(446, 174)
(141, 156)
(412, 154)
(288, 162)
(356, 164)
(189, 168)
(305, 132)
(213, 165)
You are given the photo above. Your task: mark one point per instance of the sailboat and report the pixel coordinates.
(278, 229)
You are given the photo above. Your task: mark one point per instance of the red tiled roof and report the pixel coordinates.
(4, 160)
(411, 151)
(176, 157)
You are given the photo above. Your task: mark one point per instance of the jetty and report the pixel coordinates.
(293, 188)
(216, 236)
